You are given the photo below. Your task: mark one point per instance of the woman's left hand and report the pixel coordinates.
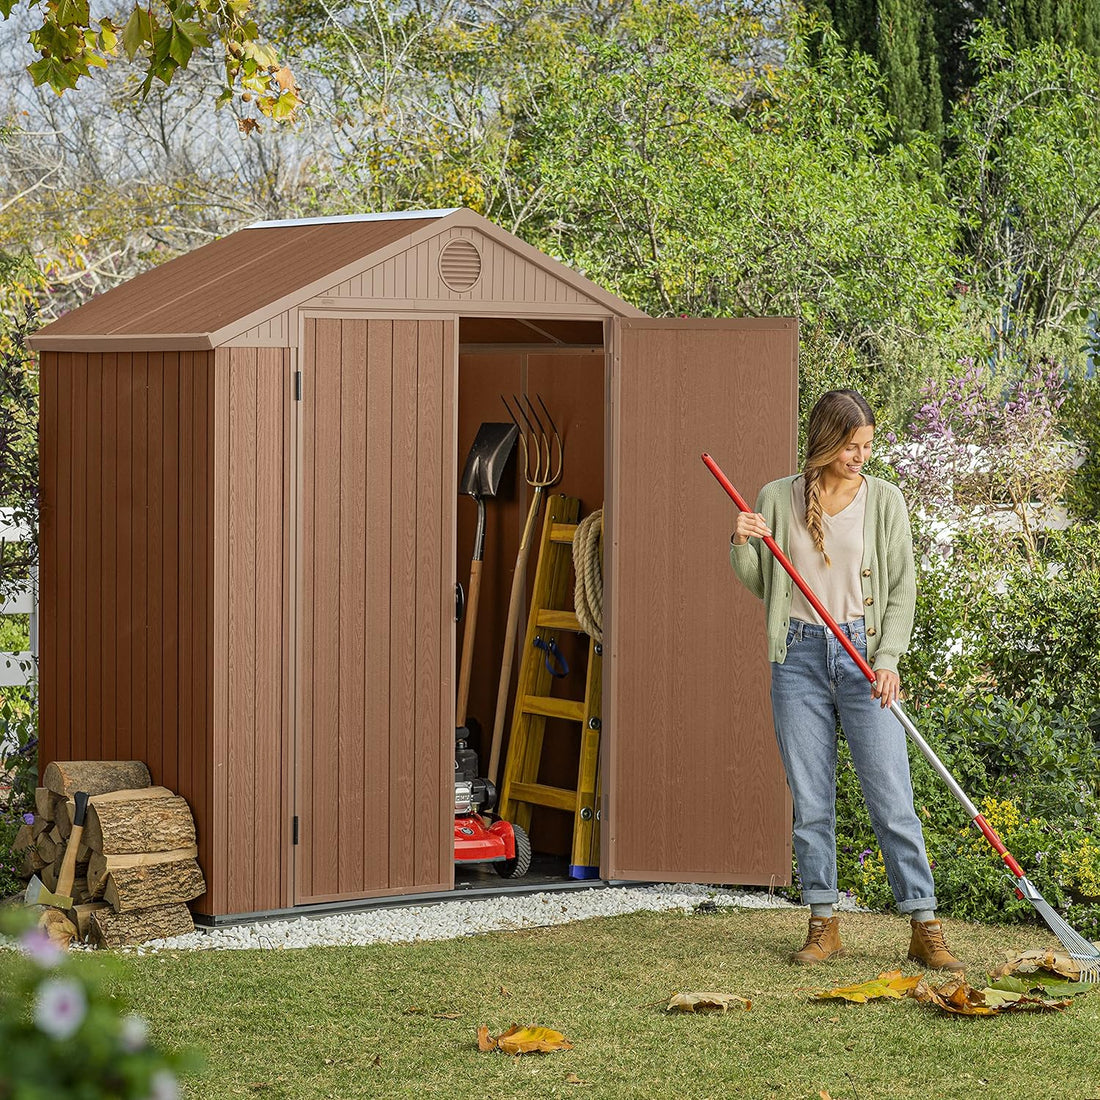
(887, 687)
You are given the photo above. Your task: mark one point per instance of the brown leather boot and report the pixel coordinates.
(927, 946)
(822, 942)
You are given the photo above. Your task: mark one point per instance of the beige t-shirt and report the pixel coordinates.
(837, 586)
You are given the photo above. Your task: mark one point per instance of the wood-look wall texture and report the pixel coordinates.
(694, 786)
(126, 660)
(375, 630)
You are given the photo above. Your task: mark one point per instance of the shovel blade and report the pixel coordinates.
(492, 447)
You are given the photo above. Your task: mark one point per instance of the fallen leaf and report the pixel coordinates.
(446, 1015)
(414, 1011)
(573, 1079)
(888, 984)
(523, 1040)
(1030, 962)
(958, 997)
(703, 1002)
(824, 1094)
(504, 992)
(1041, 982)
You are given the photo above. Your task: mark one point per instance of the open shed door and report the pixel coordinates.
(694, 790)
(375, 608)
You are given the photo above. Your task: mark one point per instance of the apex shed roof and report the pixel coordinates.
(243, 283)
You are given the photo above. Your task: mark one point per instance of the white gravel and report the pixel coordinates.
(450, 919)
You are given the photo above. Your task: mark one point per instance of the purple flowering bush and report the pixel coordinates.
(63, 1037)
(18, 777)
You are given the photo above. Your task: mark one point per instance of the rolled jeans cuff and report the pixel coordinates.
(911, 905)
(820, 897)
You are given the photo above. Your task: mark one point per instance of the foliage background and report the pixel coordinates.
(916, 180)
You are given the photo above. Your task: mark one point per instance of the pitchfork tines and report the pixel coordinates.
(543, 451)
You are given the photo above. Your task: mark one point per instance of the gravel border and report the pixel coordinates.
(450, 919)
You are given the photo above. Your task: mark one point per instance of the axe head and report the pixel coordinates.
(37, 894)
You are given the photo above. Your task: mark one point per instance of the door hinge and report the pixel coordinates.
(297, 385)
(295, 841)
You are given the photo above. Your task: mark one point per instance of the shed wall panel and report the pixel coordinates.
(250, 749)
(123, 550)
(688, 709)
(374, 648)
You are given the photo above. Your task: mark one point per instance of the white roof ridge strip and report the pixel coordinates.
(395, 215)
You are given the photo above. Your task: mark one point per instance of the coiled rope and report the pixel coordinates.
(588, 566)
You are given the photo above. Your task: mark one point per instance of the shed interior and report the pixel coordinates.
(563, 362)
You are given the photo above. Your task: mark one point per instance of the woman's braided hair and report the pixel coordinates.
(833, 420)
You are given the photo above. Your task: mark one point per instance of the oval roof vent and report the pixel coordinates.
(460, 264)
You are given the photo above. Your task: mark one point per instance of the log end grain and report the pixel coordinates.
(111, 929)
(66, 777)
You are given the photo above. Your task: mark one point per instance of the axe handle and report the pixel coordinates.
(68, 864)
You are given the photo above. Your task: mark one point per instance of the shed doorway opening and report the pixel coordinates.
(563, 363)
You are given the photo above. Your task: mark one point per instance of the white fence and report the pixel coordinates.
(19, 668)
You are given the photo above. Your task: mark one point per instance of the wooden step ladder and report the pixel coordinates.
(551, 612)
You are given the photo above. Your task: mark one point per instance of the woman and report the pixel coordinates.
(848, 534)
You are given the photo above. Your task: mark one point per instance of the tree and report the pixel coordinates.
(162, 38)
(1026, 179)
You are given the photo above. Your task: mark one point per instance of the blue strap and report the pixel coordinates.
(550, 648)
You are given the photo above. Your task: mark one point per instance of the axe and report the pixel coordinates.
(37, 894)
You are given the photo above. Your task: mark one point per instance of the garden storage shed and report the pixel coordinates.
(251, 537)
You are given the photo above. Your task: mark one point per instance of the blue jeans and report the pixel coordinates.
(817, 684)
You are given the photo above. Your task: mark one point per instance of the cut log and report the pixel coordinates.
(41, 825)
(130, 888)
(32, 863)
(111, 929)
(95, 776)
(139, 825)
(125, 795)
(56, 837)
(58, 927)
(48, 875)
(47, 848)
(100, 866)
(63, 815)
(83, 914)
(42, 803)
(24, 839)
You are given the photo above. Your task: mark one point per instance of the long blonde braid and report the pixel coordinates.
(832, 421)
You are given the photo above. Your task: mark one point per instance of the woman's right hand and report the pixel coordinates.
(749, 525)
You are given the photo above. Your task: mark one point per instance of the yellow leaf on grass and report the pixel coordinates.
(962, 999)
(705, 1002)
(888, 984)
(523, 1040)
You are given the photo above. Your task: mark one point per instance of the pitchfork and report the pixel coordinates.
(543, 458)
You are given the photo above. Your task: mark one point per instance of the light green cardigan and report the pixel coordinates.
(886, 572)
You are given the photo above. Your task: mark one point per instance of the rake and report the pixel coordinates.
(1084, 953)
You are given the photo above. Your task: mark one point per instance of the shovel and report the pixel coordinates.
(37, 894)
(481, 478)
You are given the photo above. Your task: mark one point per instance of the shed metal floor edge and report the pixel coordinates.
(470, 884)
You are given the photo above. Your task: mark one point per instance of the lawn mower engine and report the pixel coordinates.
(479, 838)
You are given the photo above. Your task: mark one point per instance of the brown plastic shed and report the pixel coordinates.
(251, 535)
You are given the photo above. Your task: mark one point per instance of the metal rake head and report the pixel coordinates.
(1085, 954)
(543, 451)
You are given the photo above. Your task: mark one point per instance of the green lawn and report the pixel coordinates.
(373, 1021)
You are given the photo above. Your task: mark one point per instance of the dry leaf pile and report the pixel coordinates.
(957, 997)
(523, 1040)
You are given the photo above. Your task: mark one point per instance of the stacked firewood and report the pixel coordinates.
(136, 863)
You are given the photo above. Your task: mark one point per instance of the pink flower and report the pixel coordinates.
(133, 1033)
(60, 1007)
(163, 1086)
(38, 945)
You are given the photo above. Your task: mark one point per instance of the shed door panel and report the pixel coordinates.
(695, 790)
(375, 631)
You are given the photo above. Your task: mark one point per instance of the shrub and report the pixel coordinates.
(19, 767)
(63, 1037)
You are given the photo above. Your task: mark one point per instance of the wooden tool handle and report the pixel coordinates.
(68, 864)
(466, 670)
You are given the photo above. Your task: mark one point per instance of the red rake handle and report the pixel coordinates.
(987, 830)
